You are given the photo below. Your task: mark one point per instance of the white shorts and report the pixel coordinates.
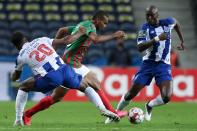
(83, 70)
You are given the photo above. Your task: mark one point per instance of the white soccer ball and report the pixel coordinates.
(136, 115)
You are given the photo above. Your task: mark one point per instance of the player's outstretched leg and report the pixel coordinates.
(94, 98)
(95, 84)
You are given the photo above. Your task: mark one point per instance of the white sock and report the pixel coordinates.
(94, 98)
(156, 102)
(122, 103)
(21, 100)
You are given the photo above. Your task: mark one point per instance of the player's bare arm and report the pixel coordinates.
(61, 32)
(177, 28)
(64, 31)
(145, 45)
(61, 39)
(16, 75)
(102, 38)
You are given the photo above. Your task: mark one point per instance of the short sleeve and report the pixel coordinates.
(171, 22)
(142, 34)
(19, 64)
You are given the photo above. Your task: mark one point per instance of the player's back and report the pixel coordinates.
(40, 56)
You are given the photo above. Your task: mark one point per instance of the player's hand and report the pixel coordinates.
(120, 34)
(163, 36)
(181, 47)
(82, 30)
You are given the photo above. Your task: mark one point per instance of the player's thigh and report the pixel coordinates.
(92, 80)
(144, 75)
(162, 73)
(71, 79)
(44, 84)
(166, 88)
(142, 78)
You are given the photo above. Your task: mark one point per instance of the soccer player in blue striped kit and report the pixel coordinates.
(155, 38)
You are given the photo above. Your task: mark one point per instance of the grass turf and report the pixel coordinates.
(83, 116)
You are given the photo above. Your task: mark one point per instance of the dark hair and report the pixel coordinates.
(152, 8)
(17, 38)
(100, 15)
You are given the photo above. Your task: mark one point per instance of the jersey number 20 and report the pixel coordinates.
(41, 52)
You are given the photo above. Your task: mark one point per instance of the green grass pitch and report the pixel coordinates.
(83, 116)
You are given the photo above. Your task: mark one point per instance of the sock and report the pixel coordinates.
(94, 98)
(156, 102)
(122, 103)
(21, 100)
(44, 103)
(105, 101)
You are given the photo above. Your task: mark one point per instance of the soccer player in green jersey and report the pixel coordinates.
(74, 55)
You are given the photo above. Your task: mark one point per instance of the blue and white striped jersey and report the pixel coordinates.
(161, 50)
(40, 56)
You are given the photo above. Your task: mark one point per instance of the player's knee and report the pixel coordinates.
(57, 97)
(97, 87)
(94, 84)
(93, 81)
(166, 99)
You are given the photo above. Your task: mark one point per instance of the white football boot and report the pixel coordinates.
(18, 123)
(109, 120)
(148, 112)
(121, 114)
(110, 115)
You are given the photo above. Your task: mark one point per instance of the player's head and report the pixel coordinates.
(18, 39)
(100, 19)
(152, 15)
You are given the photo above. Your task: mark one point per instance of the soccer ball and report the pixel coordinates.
(136, 115)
